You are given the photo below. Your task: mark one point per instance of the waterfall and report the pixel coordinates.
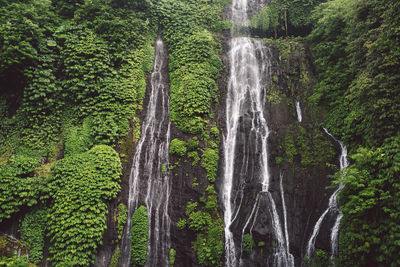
(298, 111)
(250, 72)
(333, 207)
(290, 256)
(150, 161)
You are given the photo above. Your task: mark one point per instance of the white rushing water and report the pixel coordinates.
(298, 111)
(332, 207)
(289, 256)
(150, 161)
(250, 63)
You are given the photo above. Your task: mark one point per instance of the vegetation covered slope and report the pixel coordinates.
(73, 79)
(356, 45)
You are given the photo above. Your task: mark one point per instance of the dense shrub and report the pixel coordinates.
(210, 162)
(139, 236)
(33, 233)
(177, 147)
(80, 188)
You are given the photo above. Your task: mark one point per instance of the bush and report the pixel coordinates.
(210, 163)
(209, 245)
(32, 233)
(248, 243)
(172, 253)
(195, 156)
(192, 144)
(80, 187)
(139, 236)
(177, 147)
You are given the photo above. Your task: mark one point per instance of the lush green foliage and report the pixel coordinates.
(115, 257)
(33, 233)
(209, 161)
(194, 63)
(193, 143)
(80, 187)
(209, 245)
(357, 55)
(195, 156)
(15, 261)
(18, 184)
(172, 253)
(177, 147)
(205, 220)
(91, 67)
(356, 44)
(139, 236)
(284, 16)
(248, 243)
(370, 204)
(306, 145)
(72, 76)
(122, 217)
(321, 259)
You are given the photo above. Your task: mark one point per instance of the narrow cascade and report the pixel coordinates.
(149, 172)
(333, 208)
(245, 142)
(298, 111)
(290, 256)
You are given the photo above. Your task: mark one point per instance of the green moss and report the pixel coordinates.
(195, 156)
(115, 257)
(248, 243)
(214, 131)
(193, 143)
(191, 207)
(289, 148)
(278, 160)
(122, 217)
(181, 224)
(194, 182)
(177, 147)
(172, 253)
(139, 236)
(205, 220)
(307, 144)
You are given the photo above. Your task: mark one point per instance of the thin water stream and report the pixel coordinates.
(148, 172)
(333, 208)
(298, 111)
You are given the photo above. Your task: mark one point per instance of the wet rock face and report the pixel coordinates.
(304, 183)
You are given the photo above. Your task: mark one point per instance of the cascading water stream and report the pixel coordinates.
(332, 207)
(290, 256)
(298, 111)
(250, 72)
(150, 163)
